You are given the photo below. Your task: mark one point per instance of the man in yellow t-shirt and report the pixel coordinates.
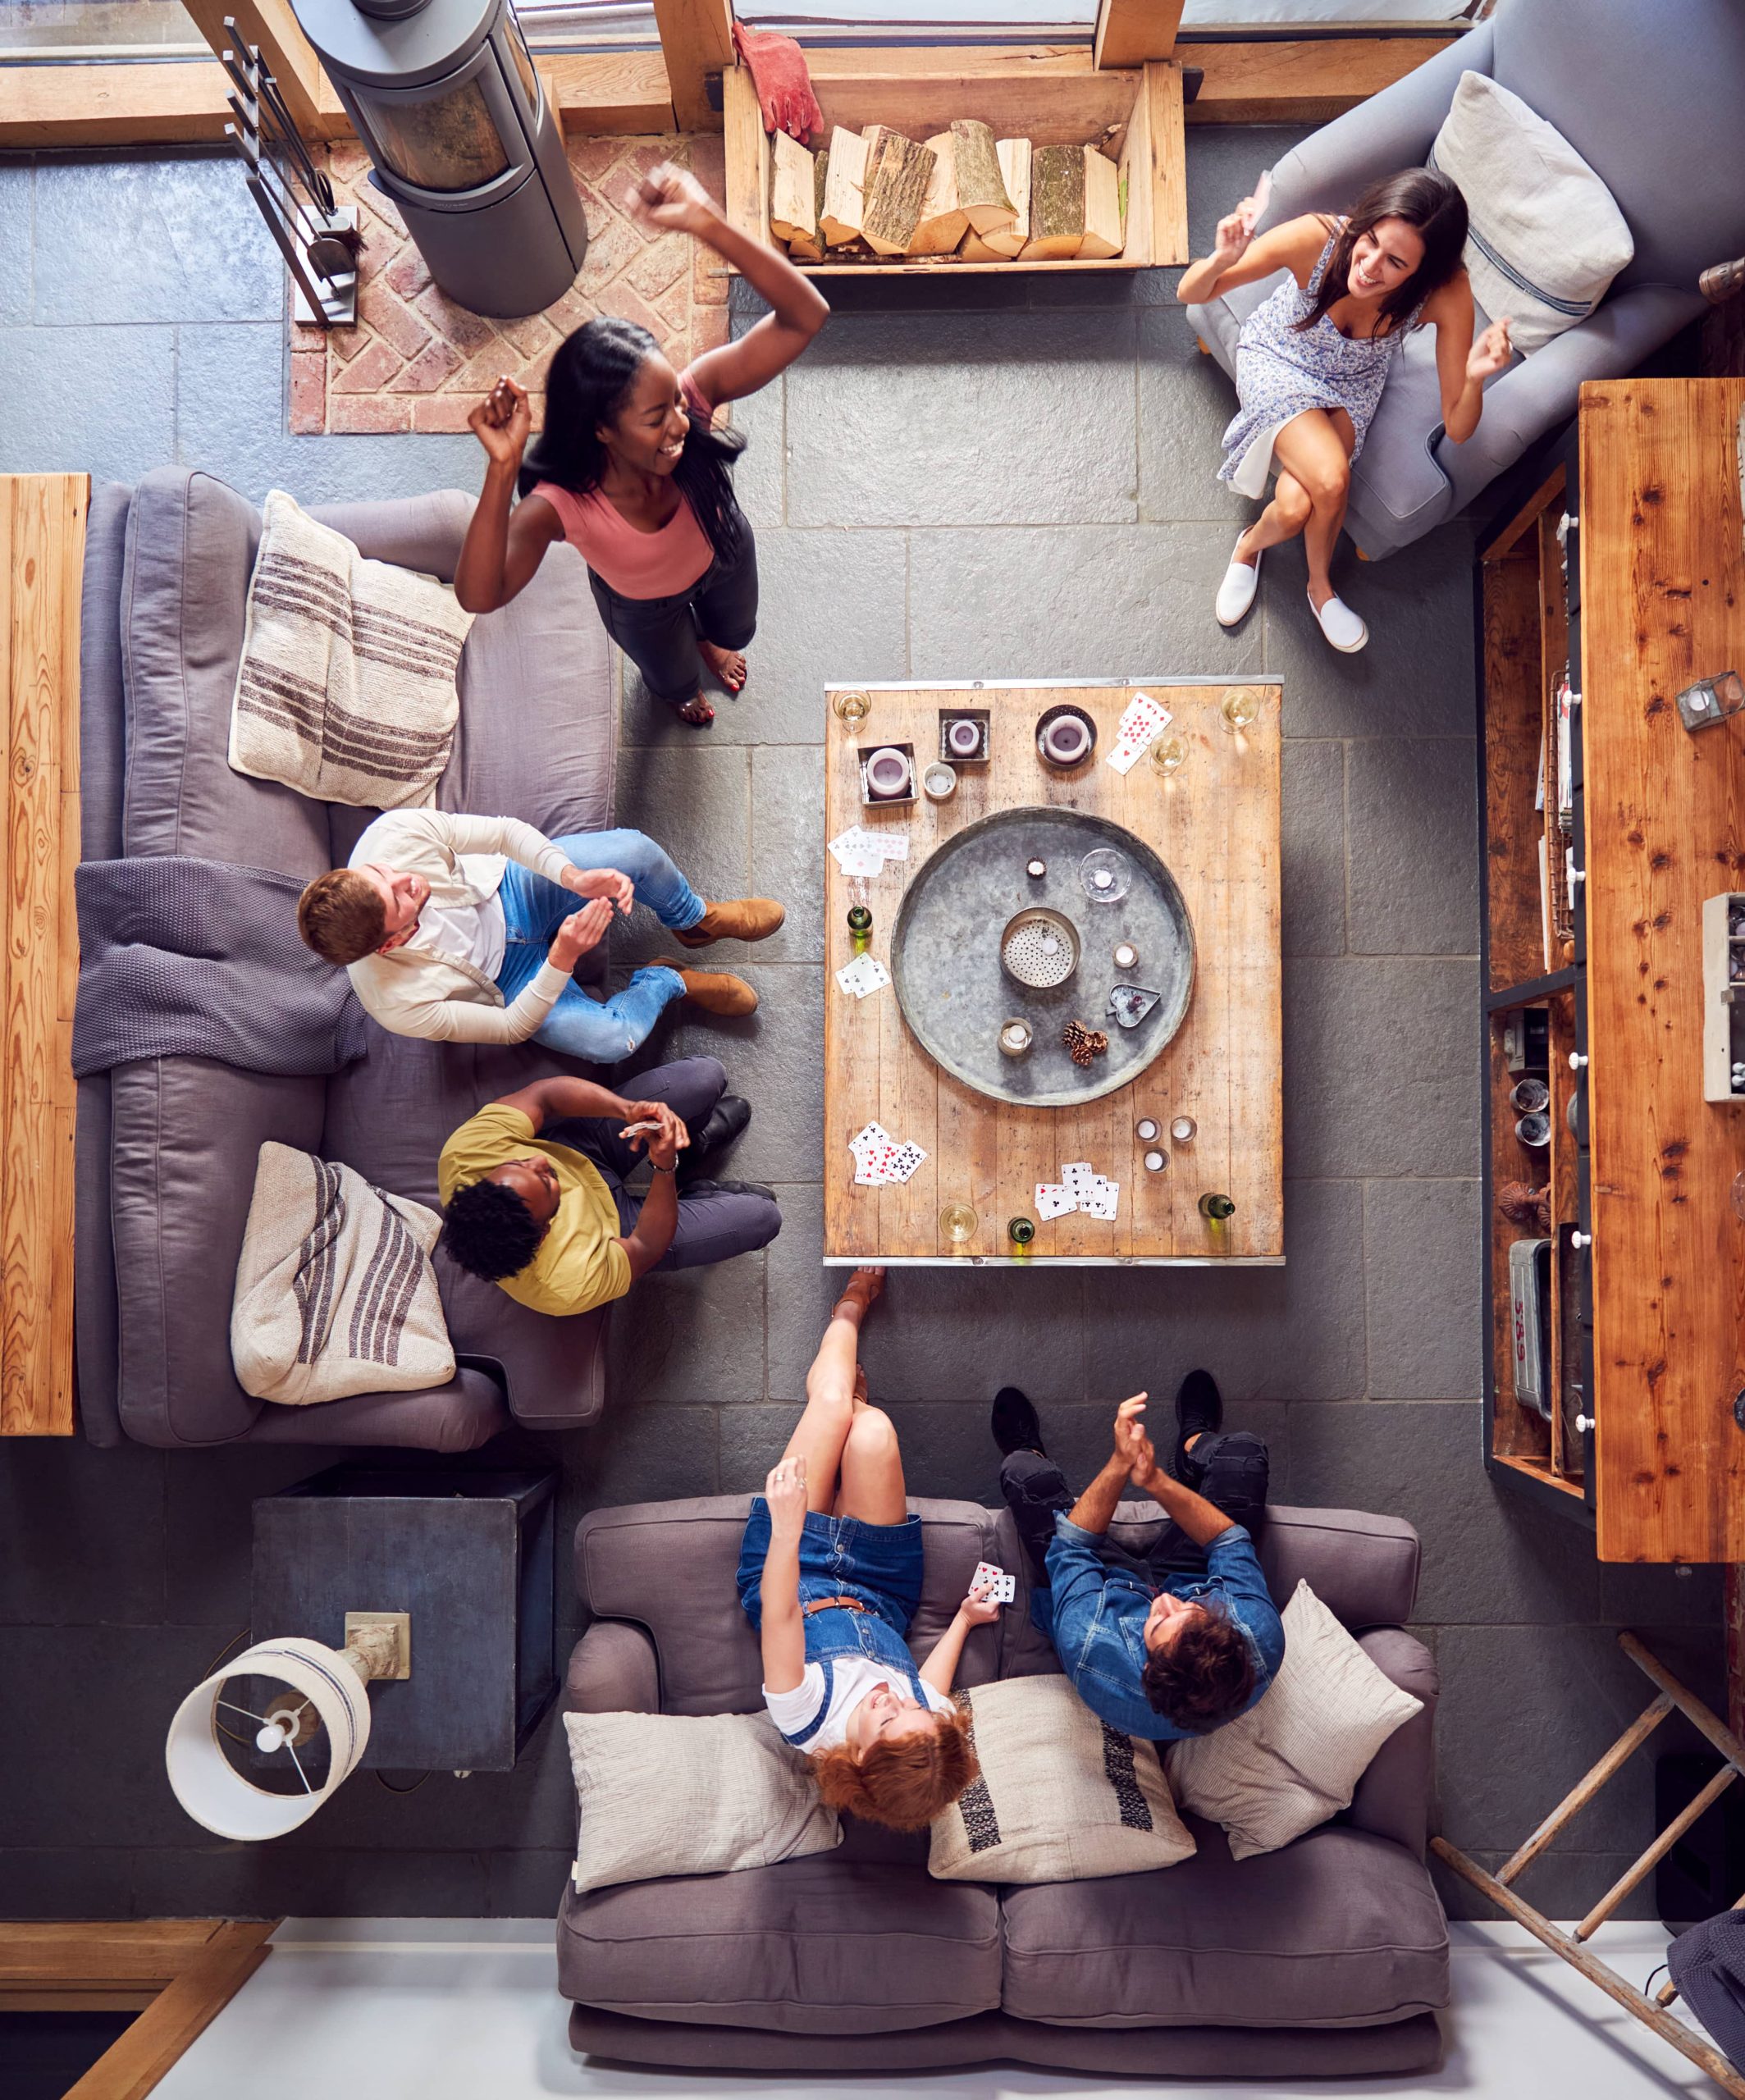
(548, 1217)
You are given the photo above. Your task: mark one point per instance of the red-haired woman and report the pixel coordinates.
(1312, 359)
(830, 1574)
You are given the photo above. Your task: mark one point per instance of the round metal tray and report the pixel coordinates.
(945, 956)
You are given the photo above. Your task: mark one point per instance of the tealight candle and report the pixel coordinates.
(965, 739)
(1103, 878)
(1145, 1129)
(1126, 955)
(1182, 1129)
(1154, 1162)
(1036, 871)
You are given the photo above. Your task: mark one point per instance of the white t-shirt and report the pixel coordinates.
(476, 933)
(851, 1677)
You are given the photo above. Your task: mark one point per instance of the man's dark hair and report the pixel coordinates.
(1205, 1677)
(490, 1232)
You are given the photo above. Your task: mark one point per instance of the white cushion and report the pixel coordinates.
(1062, 1796)
(335, 1291)
(661, 1794)
(1296, 1756)
(1545, 238)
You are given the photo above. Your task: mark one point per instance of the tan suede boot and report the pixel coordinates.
(715, 991)
(739, 919)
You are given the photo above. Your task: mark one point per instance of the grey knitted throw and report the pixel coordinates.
(186, 958)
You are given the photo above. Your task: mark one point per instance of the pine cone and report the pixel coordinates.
(1084, 1042)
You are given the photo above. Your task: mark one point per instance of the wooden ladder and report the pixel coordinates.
(1652, 2012)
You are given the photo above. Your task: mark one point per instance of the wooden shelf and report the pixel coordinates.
(1645, 1356)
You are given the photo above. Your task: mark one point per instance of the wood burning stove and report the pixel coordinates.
(444, 95)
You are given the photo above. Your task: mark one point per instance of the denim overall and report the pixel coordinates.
(879, 1565)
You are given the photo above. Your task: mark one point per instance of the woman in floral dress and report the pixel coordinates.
(1312, 360)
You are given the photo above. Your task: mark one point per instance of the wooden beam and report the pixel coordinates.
(619, 92)
(42, 558)
(697, 40)
(177, 2015)
(1166, 150)
(1309, 82)
(153, 1952)
(289, 54)
(1697, 2048)
(1131, 31)
(178, 103)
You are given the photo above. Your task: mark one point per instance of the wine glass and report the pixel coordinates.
(851, 710)
(1168, 756)
(1240, 706)
(957, 1224)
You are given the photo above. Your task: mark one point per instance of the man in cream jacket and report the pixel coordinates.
(466, 929)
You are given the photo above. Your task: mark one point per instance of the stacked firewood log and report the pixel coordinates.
(963, 193)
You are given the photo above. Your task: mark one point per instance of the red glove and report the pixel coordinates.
(783, 85)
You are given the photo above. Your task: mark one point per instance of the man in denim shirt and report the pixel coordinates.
(1179, 1640)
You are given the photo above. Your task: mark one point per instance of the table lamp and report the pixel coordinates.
(314, 1687)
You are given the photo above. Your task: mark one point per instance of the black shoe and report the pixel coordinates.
(1014, 1422)
(1199, 1408)
(728, 1189)
(725, 1122)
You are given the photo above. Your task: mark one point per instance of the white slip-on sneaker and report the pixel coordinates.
(1340, 625)
(1236, 594)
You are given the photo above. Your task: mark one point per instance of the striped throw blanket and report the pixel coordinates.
(334, 1290)
(346, 690)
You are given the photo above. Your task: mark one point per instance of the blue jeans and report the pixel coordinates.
(598, 1031)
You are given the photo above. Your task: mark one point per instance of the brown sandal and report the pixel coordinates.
(860, 1292)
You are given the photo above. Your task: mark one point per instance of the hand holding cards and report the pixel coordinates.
(1002, 1588)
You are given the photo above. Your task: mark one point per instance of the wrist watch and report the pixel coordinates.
(658, 1169)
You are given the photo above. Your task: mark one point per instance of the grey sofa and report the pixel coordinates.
(1649, 97)
(1328, 1958)
(167, 1148)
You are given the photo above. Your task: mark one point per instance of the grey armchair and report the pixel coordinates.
(1649, 97)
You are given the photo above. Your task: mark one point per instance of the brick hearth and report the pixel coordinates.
(417, 362)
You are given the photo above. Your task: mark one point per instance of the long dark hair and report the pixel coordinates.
(591, 371)
(1429, 204)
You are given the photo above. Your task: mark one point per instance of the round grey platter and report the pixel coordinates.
(945, 956)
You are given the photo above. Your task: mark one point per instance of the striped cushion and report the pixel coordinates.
(1545, 239)
(334, 1290)
(1296, 1756)
(1062, 1796)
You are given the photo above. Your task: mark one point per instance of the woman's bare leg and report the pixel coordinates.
(1282, 520)
(872, 1471)
(1315, 449)
(822, 1431)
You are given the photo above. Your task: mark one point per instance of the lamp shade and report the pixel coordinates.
(208, 1785)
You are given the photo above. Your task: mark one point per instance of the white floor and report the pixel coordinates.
(459, 2009)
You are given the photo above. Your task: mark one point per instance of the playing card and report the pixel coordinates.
(1102, 1200)
(1006, 1590)
(1077, 1175)
(848, 978)
(858, 852)
(1004, 1587)
(1054, 1200)
(894, 845)
(905, 1161)
(1141, 721)
(872, 1168)
(874, 975)
(874, 1133)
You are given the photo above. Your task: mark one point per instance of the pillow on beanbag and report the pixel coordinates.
(1545, 238)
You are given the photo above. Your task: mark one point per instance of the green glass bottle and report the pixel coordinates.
(1217, 1208)
(1020, 1231)
(860, 927)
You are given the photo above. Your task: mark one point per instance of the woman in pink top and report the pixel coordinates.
(629, 471)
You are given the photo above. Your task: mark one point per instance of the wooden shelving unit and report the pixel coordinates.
(1534, 984)
(1644, 1436)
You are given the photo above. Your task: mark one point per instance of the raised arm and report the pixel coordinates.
(783, 1634)
(676, 202)
(1241, 257)
(555, 1101)
(506, 541)
(940, 1669)
(1463, 365)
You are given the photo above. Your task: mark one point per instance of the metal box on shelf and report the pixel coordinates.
(1723, 996)
(1529, 1294)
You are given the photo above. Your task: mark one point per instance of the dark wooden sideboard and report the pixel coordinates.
(1592, 974)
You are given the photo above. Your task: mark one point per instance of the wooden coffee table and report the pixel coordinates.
(1215, 826)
